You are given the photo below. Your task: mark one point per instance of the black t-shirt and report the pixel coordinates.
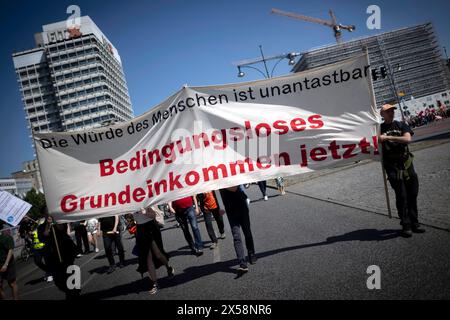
(66, 247)
(234, 202)
(78, 224)
(393, 151)
(107, 224)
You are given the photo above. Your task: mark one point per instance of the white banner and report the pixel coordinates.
(206, 138)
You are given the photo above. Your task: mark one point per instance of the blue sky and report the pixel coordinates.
(166, 44)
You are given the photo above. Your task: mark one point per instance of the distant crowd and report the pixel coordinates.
(429, 115)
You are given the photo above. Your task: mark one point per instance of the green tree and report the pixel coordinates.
(37, 200)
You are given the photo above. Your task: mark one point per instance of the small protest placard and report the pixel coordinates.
(12, 209)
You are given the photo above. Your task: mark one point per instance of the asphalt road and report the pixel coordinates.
(308, 248)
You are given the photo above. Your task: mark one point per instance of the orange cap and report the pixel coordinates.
(386, 107)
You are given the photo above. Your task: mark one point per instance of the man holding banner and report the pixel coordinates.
(398, 163)
(60, 253)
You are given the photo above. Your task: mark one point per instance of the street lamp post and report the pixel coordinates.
(264, 60)
(249, 63)
(392, 82)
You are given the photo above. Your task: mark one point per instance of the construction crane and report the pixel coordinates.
(337, 27)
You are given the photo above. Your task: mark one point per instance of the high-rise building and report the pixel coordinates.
(73, 79)
(413, 56)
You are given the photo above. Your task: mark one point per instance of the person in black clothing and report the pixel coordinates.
(81, 235)
(25, 228)
(398, 163)
(235, 202)
(111, 235)
(58, 262)
(151, 253)
(7, 264)
(263, 187)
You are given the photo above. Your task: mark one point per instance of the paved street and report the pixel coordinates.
(314, 243)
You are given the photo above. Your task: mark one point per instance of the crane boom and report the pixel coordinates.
(332, 24)
(333, 17)
(302, 17)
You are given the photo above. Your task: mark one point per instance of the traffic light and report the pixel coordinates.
(380, 73)
(383, 72)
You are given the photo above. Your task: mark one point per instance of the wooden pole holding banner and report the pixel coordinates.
(386, 189)
(56, 244)
(380, 147)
